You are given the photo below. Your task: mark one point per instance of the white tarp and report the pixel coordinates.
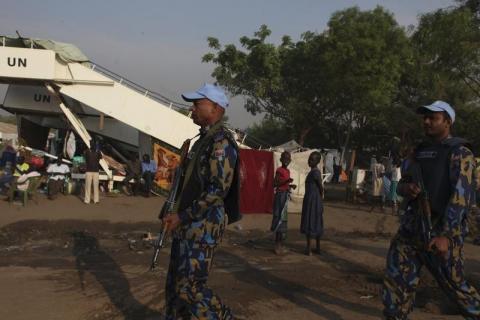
(332, 156)
(67, 52)
(289, 146)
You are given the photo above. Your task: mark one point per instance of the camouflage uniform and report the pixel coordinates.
(201, 230)
(475, 213)
(407, 254)
(476, 240)
(474, 224)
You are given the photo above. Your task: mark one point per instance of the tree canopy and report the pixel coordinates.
(358, 83)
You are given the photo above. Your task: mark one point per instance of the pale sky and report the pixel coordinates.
(159, 44)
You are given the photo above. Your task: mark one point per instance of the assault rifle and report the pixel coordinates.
(424, 209)
(169, 205)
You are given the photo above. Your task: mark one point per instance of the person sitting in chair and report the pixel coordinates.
(22, 182)
(134, 172)
(57, 172)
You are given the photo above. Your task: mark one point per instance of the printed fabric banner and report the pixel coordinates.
(167, 161)
(256, 181)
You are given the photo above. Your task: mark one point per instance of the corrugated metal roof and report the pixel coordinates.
(7, 128)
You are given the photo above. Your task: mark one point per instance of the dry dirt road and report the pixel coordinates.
(66, 260)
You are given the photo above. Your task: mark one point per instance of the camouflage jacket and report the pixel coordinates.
(453, 223)
(212, 162)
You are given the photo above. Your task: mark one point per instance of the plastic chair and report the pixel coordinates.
(31, 191)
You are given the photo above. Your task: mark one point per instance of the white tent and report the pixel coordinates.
(290, 146)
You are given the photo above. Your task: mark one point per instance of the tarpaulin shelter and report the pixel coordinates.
(256, 181)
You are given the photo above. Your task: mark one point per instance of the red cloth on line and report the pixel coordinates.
(256, 181)
(283, 177)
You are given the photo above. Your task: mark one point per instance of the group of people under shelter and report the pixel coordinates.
(17, 174)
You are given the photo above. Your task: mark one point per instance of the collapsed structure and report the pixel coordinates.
(49, 82)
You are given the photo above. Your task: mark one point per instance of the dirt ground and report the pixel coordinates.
(66, 260)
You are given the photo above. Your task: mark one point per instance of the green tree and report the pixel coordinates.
(366, 53)
(448, 44)
(269, 132)
(359, 83)
(445, 67)
(466, 125)
(276, 80)
(472, 5)
(333, 84)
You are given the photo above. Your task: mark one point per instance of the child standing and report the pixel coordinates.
(282, 185)
(312, 209)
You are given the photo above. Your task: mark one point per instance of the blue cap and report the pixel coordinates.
(209, 91)
(439, 106)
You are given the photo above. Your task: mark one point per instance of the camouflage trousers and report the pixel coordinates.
(404, 262)
(187, 295)
(474, 225)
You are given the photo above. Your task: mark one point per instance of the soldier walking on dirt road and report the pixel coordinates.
(439, 190)
(210, 190)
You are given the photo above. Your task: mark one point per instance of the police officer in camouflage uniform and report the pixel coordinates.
(209, 197)
(446, 168)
